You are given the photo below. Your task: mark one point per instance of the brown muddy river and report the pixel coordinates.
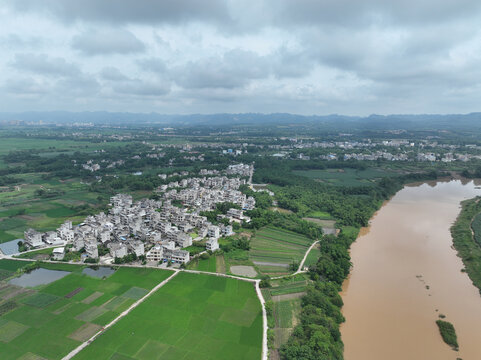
(405, 274)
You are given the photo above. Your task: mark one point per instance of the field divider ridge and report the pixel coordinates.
(113, 322)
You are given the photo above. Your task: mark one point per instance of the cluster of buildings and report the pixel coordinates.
(160, 230)
(90, 166)
(377, 155)
(204, 193)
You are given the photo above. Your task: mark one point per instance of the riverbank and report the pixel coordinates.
(463, 239)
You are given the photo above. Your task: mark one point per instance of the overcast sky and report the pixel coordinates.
(208, 56)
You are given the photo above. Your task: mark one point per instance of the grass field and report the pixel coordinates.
(192, 317)
(46, 147)
(21, 209)
(322, 215)
(209, 264)
(51, 320)
(345, 177)
(285, 295)
(273, 246)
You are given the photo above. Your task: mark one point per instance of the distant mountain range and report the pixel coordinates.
(428, 121)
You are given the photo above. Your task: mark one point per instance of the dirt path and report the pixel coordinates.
(271, 264)
(220, 264)
(301, 265)
(264, 321)
(277, 298)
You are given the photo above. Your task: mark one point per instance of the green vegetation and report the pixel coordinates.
(36, 254)
(448, 333)
(322, 215)
(346, 177)
(476, 226)
(192, 317)
(313, 256)
(464, 241)
(57, 317)
(205, 262)
(12, 265)
(273, 249)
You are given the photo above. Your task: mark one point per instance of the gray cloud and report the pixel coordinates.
(128, 11)
(107, 41)
(349, 13)
(234, 69)
(142, 88)
(17, 42)
(111, 73)
(155, 65)
(312, 56)
(42, 64)
(24, 86)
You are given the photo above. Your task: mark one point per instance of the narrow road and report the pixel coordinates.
(133, 306)
(301, 265)
(265, 350)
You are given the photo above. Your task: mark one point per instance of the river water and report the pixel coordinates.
(405, 273)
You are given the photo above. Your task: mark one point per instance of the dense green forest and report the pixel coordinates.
(465, 232)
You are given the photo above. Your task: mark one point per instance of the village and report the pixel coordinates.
(155, 231)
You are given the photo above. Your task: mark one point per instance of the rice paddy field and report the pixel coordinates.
(347, 176)
(47, 322)
(273, 249)
(193, 316)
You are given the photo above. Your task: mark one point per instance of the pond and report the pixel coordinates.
(10, 247)
(98, 272)
(38, 277)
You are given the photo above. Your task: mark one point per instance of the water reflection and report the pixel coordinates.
(38, 277)
(98, 271)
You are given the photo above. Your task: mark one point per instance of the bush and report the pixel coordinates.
(264, 284)
(448, 333)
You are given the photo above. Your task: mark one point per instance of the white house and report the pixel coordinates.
(58, 253)
(117, 250)
(33, 238)
(155, 254)
(212, 244)
(137, 247)
(213, 232)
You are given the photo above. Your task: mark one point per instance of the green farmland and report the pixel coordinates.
(313, 256)
(285, 298)
(345, 177)
(193, 316)
(49, 321)
(273, 249)
(21, 208)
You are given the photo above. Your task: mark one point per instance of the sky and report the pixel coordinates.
(210, 56)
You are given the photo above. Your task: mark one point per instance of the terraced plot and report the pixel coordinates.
(272, 249)
(285, 295)
(52, 320)
(193, 316)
